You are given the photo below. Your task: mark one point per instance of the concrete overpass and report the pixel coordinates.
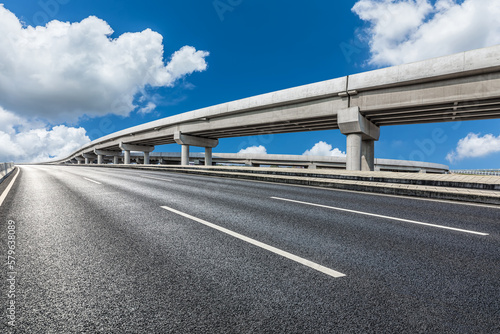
(459, 87)
(257, 160)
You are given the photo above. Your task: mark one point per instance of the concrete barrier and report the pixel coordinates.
(474, 189)
(494, 172)
(5, 169)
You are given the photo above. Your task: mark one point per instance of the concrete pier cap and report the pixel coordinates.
(351, 121)
(131, 147)
(184, 139)
(102, 153)
(188, 140)
(110, 153)
(89, 157)
(361, 136)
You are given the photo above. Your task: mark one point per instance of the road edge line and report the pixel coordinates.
(9, 187)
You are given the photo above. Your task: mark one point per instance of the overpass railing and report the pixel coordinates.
(494, 172)
(5, 169)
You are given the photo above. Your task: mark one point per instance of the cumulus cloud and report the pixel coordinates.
(254, 150)
(474, 146)
(324, 149)
(148, 108)
(24, 141)
(64, 70)
(403, 31)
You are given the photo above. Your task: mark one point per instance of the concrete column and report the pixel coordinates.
(126, 158)
(185, 155)
(208, 156)
(187, 140)
(368, 155)
(89, 158)
(132, 147)
(353, 158)
(102, 154)
(116, 160)
(146, 158)
(361, 135)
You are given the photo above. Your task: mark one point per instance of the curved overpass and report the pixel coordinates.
(459, 87)
(303, 161)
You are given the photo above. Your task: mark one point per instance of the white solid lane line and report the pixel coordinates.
(272, 249)
(381, 216)
(92, 180)
(156, 178)
(6, 191)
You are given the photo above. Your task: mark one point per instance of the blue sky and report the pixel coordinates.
(254, 47)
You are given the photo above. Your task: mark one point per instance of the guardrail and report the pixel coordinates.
(5, 169)
(494, 172)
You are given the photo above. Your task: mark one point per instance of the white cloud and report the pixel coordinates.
(403, 31)
(147, 109)
(254, 150)
(64, 70)
(31, 141)
(324, 149)
(8, 121)
(474, 146)
(39, 145)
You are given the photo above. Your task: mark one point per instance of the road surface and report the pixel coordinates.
(95, 250)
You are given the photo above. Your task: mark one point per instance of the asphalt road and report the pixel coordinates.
(125, 251)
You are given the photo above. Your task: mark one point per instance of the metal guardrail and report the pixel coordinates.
(5, 169)
(494, 172)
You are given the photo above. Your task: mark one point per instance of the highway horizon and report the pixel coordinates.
(99, 250)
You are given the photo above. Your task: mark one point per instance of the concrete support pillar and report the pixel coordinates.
(208, 156)
(187, 140)
(126, 158)
(368, 155)
(146, 158)
(353, 151)
(132, 147)
(102, 154)
(116, 160)
(185, 155)
(89, 158)
(361, 136)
